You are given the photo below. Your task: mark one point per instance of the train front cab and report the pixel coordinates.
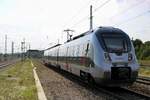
(119, 65)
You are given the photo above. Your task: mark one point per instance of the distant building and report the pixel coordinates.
(34, 53)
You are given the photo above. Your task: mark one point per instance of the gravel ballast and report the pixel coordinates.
(58, 87)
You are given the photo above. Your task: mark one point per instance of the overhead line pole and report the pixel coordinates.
(5, 47)
(12, 49)
(23, 49)
(91, 18)
(79, 11)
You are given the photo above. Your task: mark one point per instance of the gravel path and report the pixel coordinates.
(58, 87)
(140, 88)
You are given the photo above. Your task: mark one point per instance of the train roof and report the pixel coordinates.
(111, 30)
(52, 47)
(81, 35)
(101, 29)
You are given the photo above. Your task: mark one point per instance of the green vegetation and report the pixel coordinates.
(144, 68)
(144, 62)
(17, 82)
(142, 49)
(144, 71)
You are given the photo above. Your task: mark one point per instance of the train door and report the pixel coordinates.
(67, 59)
(88, 56)
(87, 50)
(85, 56)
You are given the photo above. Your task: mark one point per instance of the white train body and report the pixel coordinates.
(106, 55)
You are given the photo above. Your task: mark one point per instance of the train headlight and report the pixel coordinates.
(130, 56)
(107, 57)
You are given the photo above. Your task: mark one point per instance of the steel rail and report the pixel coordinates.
(143, 80)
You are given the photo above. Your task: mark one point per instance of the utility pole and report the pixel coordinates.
(23, 50)
(5, 56)
(12, 49)
(29, 55)
(68, 34)
(91, 18)
(24, 46)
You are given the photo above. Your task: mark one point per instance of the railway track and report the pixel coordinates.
(117, 93)
(4, 64)
(123, 93)
(143, 80)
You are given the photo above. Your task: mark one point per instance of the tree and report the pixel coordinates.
(147, 43)
(138, 44)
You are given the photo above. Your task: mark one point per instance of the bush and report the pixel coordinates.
(142, 50)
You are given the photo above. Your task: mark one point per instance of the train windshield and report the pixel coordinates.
(115, 42)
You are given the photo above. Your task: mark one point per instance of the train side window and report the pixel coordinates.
(73, 51)
(82, 49)
(77, 51)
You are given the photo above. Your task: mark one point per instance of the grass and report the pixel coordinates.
(17, 82)
(144, 70)
(144, 62)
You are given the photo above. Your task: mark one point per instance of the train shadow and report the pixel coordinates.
(79, 80)
(75, 79)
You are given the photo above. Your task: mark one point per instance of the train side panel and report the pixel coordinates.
(106, 55)
(77, 56)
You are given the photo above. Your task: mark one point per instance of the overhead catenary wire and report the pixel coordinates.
(78, 12)
(129, 8)
(95, 10)
(81, 9)
(102, 5)
(133, 18)
(75, 16)
(81, 20)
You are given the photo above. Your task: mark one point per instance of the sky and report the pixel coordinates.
(41, 22)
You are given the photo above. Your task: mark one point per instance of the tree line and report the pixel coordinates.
(142, 49)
